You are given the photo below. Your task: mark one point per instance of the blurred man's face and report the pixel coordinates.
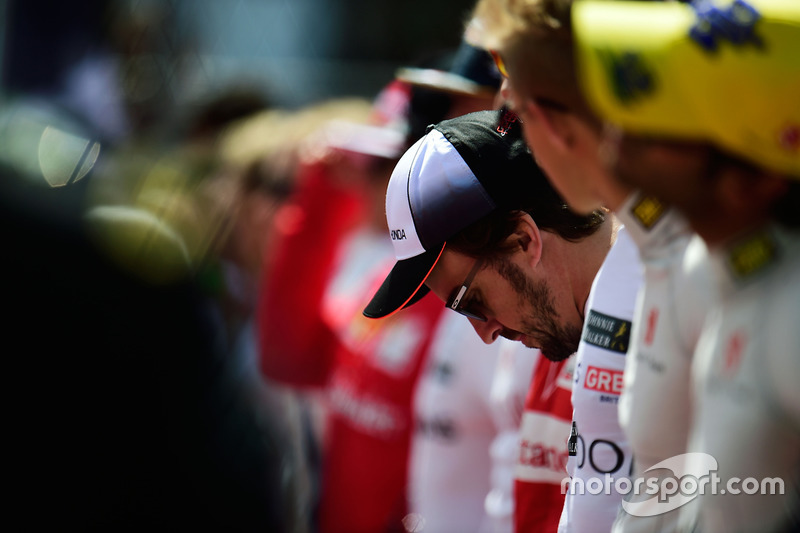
(564, 144)
(515, 302)
(676, 172)
(686, 175)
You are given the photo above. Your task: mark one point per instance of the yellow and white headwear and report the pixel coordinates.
(723, 71)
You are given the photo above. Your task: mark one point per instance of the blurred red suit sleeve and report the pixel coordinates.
(295, 343)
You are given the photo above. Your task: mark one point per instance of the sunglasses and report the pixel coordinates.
(454, 302)
(542, 101)
(499, 63)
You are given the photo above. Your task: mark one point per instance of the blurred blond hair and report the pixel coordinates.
(501, 24)
(285, 134)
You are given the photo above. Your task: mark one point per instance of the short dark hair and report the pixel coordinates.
(488, 236)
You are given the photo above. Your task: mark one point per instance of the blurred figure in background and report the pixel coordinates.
(450, 83)
(311, 332)
(468, 408)
(62, 54)
(511, 385)
(260, 160)
(532, 40)
(157, 426)
(718, 136)
(127, 414)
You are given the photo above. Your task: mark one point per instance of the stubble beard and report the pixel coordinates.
(556, 341)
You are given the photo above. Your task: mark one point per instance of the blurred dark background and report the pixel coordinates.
(137, 65)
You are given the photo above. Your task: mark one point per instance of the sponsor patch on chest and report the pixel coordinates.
(607, 332)
(604, 380)
(648, 211)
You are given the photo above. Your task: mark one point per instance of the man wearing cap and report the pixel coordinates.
(704, 101)
(474, 220)
(466, 407)
(531, 42)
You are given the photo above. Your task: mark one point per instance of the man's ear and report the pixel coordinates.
(528, 239)
(555, 124)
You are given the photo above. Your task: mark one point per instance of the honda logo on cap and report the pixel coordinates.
(398, 234)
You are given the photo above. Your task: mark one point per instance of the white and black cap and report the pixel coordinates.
(459, 172)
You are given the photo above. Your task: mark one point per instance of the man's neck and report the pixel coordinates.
(588, 256)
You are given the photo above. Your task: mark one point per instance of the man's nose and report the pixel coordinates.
(488, 331)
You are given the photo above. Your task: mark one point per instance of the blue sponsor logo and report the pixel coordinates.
(735, 23)
(630, 76)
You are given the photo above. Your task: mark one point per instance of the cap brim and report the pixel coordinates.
(443, 81)
(405, 284)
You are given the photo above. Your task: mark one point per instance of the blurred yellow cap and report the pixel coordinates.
(725, 71)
